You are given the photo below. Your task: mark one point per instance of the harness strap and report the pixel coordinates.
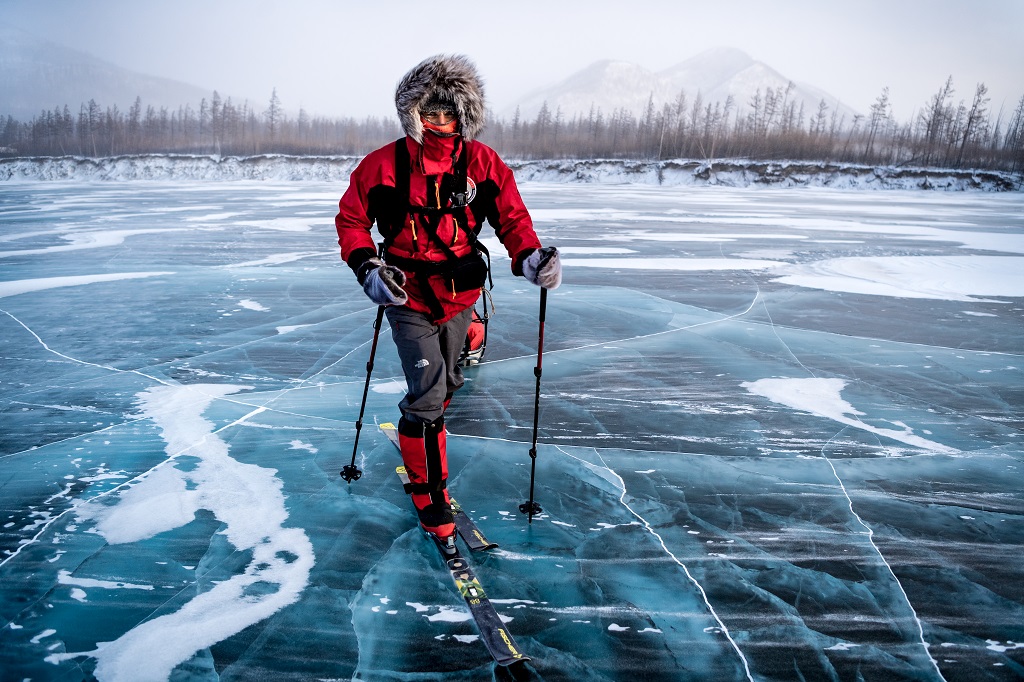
(424, 488)
(452, 185)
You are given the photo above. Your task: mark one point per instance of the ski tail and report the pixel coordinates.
(498, 640)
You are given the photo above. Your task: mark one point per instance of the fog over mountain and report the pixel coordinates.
(36, 74)
(716, 74)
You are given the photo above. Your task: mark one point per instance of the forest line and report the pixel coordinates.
(944, 133)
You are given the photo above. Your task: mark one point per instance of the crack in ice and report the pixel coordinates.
(871, 541)
(855, 423)
(661, 541)
(640, 337)
(83, 362)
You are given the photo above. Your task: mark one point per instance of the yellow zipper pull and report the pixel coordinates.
(412, 224)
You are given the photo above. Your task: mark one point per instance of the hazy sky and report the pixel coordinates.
(344, 58)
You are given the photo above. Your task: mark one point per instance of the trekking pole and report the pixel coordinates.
(530, 508)
(351, 472)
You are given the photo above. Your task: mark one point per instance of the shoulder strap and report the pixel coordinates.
(403, 169)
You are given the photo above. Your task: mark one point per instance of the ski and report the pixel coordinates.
(495, 637)
(468, 530)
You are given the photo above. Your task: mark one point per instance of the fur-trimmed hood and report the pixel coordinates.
(453, 76)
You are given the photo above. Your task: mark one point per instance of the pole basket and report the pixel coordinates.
(351, 473)
(531, 508)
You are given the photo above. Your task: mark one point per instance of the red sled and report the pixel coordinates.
(476, 338)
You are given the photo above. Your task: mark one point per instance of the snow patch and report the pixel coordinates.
(245, 498)
(281, 259)
(447, 614)
(284, 224)
(946, 278)
(822, 397)
(994, 645)
(396, 387)
(253, 305)
(65, 578)
(290, 328)
(841, 646)
(678, 264)
(299, 445)
(24, 286)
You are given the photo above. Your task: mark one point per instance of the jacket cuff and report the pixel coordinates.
(358, 257)
(517, 262)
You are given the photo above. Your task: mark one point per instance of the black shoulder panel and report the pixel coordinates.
(485, 206)
(384, 209)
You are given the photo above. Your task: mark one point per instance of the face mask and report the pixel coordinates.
(444, 130)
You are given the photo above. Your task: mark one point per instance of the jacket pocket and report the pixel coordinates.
(469, 272)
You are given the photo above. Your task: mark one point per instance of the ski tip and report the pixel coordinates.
(477, 541)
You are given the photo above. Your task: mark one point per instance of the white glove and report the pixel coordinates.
(383, 283)
(543, 268)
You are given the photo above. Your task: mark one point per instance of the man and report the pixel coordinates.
(429, 194)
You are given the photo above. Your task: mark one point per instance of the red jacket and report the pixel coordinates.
(372, 198)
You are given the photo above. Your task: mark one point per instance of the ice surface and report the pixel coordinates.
(779, 439)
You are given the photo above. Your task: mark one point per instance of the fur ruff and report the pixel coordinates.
(453, 76)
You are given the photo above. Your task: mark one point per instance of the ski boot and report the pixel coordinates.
(438, 521)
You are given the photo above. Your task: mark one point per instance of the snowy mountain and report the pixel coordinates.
(37, 75)
(716, 74)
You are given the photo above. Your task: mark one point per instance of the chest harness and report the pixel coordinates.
(451, 195)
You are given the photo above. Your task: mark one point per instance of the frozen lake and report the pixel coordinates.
(780, 439)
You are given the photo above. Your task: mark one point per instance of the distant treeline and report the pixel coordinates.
(944, 133)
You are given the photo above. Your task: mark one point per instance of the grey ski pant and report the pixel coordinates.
(430, 360)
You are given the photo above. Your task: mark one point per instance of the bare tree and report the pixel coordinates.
(935, 117)
(879, 115)
(973, 123)
(273, 114)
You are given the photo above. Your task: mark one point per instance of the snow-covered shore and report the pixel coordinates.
(729, 173)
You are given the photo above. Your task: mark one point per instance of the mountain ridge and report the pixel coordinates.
(716, 74)
(37, 75)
